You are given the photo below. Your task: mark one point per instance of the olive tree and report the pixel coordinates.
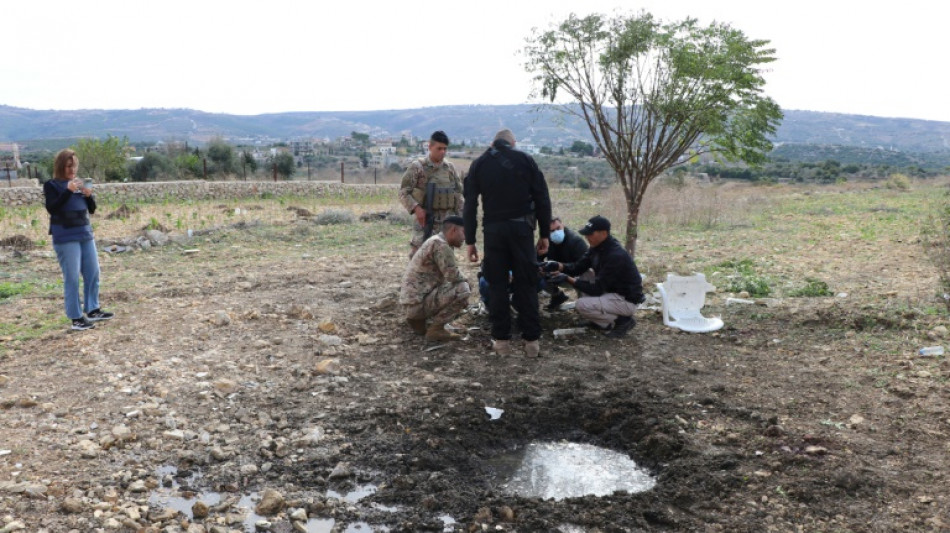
(656, 95)
(103, 160)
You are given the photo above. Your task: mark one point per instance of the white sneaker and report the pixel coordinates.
(532, 348)
(501, 347)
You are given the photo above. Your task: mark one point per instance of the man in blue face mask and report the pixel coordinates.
(566, 246)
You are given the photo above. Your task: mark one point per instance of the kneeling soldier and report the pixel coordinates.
(433, 289)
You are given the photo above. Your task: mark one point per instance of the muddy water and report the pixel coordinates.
(569, 470)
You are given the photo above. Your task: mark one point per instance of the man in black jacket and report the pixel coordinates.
(612, 293)
(515, 199)
(566, 247)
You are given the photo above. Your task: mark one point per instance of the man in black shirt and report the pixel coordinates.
(515, 199)
(566, 247)
(611, 295)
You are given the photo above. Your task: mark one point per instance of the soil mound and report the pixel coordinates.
(123, 211)
(17, 242)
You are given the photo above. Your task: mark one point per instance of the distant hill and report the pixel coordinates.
(530, 123)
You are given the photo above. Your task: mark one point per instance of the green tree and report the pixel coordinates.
(285, 164)
(655, 95)
(582, 148)
(361, 138)
(222, 157)
(248, 163)
(103, 160)
(151, 167)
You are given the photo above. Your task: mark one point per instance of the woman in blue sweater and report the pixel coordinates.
(69, 204)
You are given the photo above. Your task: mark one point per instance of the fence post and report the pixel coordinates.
(204, 167)
(341, 173)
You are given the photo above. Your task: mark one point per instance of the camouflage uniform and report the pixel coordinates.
(413, 187)
(433, 287)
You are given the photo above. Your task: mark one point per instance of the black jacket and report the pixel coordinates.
(511, 186)
(571, 249)
(614, 271)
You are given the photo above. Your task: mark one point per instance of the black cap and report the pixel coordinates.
(454, 219)
(597, 223)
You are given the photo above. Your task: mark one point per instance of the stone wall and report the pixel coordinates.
(200, 190)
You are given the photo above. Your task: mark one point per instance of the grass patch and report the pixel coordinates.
(741, 276)
(9, 289)
(814, 288)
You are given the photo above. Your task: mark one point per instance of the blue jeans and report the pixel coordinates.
(77, 258)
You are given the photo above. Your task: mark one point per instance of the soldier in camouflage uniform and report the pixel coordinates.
(433, 288)
(448, 189)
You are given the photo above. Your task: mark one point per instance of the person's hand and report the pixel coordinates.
(73, 185)
(472, 253)
(550, 266)
(542, 246)
(87, 192)
(420, 214)
(557, 279)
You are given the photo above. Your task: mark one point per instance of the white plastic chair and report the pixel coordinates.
(683, 297)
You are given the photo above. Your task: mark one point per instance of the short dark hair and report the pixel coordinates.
(452, 220)
(439, 136)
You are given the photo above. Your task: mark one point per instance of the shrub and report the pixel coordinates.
(743, 278)
(899, 182)
(8, 289)
(813, 288)
(334, 216)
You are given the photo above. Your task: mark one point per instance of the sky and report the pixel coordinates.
(882, 59)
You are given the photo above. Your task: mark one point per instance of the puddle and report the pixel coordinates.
(448, 523)
(569, 470)
(355, 495)
(171, 497)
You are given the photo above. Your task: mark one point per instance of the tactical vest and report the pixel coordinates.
(445, 188)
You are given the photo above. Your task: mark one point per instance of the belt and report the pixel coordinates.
(527, 219)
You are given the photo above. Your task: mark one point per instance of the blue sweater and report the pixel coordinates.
(69, 213)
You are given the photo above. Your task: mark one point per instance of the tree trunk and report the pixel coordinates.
(633, 212)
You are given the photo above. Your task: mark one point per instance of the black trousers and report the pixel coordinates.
(509, 246)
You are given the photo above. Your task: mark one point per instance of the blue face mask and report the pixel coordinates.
(557, 236)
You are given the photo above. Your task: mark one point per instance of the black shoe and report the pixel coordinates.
(622, 325)
(98, 314)
(81, 323)
(557, 300)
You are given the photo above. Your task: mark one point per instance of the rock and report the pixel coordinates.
(72, 506)
(327, 327)
(175, 434)
(122, 432)
(330, 340)
(225, 386)
(138, 486)
(155, 237)
(199, 510)
(218, 454)
(327, 366)
(26, 402)
(272, 502)
(366, 340)
(346, 284)
(939, 331)
(340, 471)
(299, 515)
(856, 420)
(15, 525)
(221, 318)
(483, 515)
(300, 312)
(249, 470)
(506, 514)
(88, 449)
(4, 380)
(816, 450)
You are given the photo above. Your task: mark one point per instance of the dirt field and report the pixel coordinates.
(266, 358)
